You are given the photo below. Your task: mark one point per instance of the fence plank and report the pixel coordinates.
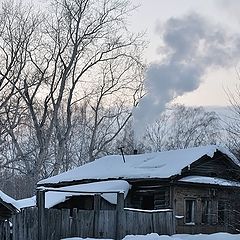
(107, 224)
(97, 199)
(82, 223)
(85, 223)
(120, 216)
(4, 230)
(41, 215)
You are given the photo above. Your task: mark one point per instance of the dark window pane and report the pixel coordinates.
(189, 215)
(206, 211)
(148, 202)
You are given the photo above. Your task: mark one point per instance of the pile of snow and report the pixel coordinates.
(149, 165)
(107, 189)
(155, 236)
(26, 202)
(210, 180)
(76, 238)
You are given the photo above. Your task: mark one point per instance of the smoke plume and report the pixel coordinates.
(192, 45)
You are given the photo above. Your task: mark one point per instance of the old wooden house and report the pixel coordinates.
(200, 184)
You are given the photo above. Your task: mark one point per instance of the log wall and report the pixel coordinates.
(214, 195)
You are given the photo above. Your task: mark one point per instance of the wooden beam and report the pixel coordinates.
(120, 216)
(97, 201)
(41, 215)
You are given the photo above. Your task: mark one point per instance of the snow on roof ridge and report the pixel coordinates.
(148, 165)
(229, 154)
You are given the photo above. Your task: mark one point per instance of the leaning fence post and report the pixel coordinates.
(120, 216)
(41, 214)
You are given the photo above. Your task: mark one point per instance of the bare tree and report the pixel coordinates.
(233, 121)
(156, 136)
(127, 141)
(119, 88)
(16, 30)
(183, 127)
(77, 55)
(17, 27)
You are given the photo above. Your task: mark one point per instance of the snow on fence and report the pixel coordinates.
(52, 224)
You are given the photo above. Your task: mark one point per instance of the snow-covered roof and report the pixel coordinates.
(18, 204)
(7, 199)
(26, 202)
(107, 189)
(210, 180)
(150, 165)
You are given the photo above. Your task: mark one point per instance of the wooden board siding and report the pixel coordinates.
(218, 166)
(25, 224)
(158, 197)
(198, 193)
(5, 232)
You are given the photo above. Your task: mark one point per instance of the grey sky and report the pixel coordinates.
(193, 53)
(152, 16)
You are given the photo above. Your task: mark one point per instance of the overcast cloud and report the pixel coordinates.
(193, 45)
(232, 7)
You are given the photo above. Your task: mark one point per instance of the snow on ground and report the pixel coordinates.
(216, 236)
(76, 238)
(155, 236)
(149, 165)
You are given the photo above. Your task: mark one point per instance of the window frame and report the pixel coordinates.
(206, 211)
(193, 211)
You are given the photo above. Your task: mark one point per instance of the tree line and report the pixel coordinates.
(70, 74)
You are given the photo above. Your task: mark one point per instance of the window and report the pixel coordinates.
(190, 211)
(206, 211)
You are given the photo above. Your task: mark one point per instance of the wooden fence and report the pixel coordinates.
(25, 224)
(5, 232)
(91, 223)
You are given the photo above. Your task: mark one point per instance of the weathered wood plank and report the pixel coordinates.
(107, 224)
(120, 216)
(85, 223)
(41, 215)
(97, 199)
(82, 223)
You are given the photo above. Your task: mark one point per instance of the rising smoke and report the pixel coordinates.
(193, 45)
